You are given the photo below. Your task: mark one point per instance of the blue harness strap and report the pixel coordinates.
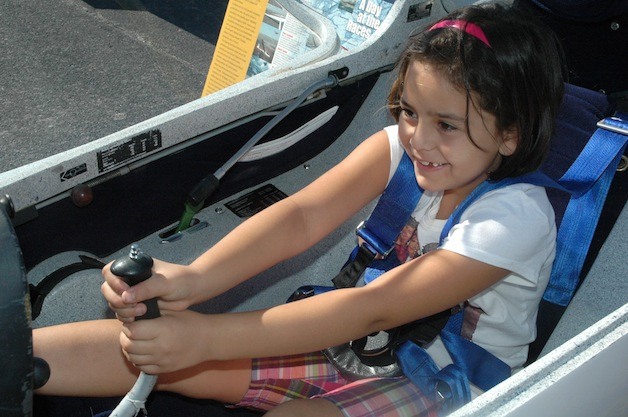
(588, 181)
(380, 231)
(393, 209)
(471, 363)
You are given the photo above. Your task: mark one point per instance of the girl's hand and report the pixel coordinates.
(166, 344)
(173, 285)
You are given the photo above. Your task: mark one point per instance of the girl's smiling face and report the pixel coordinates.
(433, 131)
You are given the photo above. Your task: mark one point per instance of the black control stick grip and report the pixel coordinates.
(133, 269)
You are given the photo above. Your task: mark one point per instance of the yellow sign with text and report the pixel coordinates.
(235, 45)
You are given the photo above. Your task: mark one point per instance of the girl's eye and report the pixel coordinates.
(446, 127)
(408, 113)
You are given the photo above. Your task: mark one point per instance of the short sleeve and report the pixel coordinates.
(396, 150)
(511, 228)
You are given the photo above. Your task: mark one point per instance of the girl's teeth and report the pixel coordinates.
(427, 164)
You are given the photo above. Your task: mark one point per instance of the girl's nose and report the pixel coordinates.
(422, 137)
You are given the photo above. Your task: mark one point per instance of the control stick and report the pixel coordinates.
(133, 269)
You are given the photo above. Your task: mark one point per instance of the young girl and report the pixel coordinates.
(475, 100)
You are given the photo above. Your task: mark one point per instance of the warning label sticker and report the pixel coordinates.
(135, 147)
(68, 174)
(256, 201)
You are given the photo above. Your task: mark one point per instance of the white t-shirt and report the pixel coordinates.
(512, 227)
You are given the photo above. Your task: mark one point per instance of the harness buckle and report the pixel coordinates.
(614, 124)
(371, 242)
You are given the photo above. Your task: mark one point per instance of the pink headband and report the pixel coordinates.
(471, 28)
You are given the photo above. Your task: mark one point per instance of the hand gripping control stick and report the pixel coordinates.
(133, 269)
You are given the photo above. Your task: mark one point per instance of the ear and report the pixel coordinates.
(510, 140)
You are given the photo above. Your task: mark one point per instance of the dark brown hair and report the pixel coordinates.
(519, 79)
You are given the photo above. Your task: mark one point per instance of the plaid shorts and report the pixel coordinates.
(280, 379)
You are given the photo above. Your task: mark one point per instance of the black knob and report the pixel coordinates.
(133, 269)
(41, 372)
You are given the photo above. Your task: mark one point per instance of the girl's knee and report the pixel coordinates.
(305, 408)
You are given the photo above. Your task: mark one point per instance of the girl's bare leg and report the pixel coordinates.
(86, 360)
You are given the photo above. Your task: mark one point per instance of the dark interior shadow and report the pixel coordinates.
(201, 18)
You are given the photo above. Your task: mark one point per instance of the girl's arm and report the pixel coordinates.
(425, 286)
(429, 284)
(282, 231)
